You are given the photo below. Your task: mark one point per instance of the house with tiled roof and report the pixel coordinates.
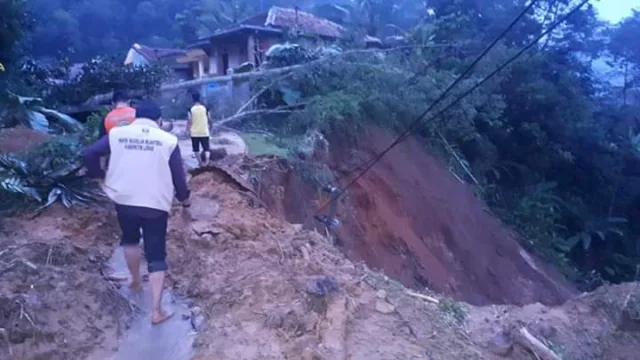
(247, 41)
(141, 55)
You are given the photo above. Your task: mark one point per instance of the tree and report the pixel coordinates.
(16, 21)
(624, 48)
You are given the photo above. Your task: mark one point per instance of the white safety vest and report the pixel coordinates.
(139, 172)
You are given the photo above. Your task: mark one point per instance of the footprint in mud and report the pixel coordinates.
(172, 339)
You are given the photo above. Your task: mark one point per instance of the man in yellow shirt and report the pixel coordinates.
(198, 128)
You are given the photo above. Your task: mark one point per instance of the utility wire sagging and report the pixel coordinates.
(419, 119)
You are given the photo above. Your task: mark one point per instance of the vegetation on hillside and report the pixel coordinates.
(552, 143)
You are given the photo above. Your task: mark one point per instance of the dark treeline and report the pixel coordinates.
(102, 27)
(88, 28)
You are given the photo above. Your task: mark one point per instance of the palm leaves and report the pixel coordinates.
(50, 172)
(601, 230)
(45, 175)
(30, 112)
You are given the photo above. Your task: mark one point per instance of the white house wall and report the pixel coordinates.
(134, 58)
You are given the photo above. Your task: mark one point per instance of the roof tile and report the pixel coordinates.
(287, 18)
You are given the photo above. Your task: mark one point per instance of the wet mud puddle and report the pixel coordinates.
(171, 340)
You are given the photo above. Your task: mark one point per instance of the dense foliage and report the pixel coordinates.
(15, 22)
(88, 28)
(46, 174)
(106, 27)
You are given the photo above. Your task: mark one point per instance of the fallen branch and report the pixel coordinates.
(29, 264)
(251, 113)
(24, 314)
(262, 91)
(462, 163)
(530, 342)
(423, 297)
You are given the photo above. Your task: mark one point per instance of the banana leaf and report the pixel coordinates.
(45, 175)
(37, 115)
(18, 186)
(13, 164)
(23, 100)
(37, 121)
(67, 122)
(52, 197)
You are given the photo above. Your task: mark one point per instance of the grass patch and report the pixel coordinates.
(457, 312)
(262, 144)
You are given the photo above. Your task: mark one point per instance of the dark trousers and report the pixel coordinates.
(153, 224)
(197, 142)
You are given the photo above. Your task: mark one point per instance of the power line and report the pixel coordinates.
(407, 132)
(456, 81)
(492, 74)
(408, 81)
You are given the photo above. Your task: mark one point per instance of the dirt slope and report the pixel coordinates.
(410, 218)
(253, 277)
(267, 289)
(54, 301)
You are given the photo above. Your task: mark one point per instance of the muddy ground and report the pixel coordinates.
(19, 139)
(256, 285)
(267, 289)
(54, 301)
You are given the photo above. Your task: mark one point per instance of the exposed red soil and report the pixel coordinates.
(409, 217)
(54, 301)
(249, 274)
(19, 139)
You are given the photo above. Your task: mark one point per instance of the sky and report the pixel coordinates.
(615, 10)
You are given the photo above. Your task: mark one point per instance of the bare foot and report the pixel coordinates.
(160, 317)
(135, 286)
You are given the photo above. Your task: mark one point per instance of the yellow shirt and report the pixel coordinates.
(199, 121)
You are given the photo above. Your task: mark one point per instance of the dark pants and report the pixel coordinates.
(196, 142)
(153, 224)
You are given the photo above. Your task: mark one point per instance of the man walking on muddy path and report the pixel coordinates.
(198, 128)
(144, 170)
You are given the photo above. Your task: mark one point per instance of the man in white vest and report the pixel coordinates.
(145, 169)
